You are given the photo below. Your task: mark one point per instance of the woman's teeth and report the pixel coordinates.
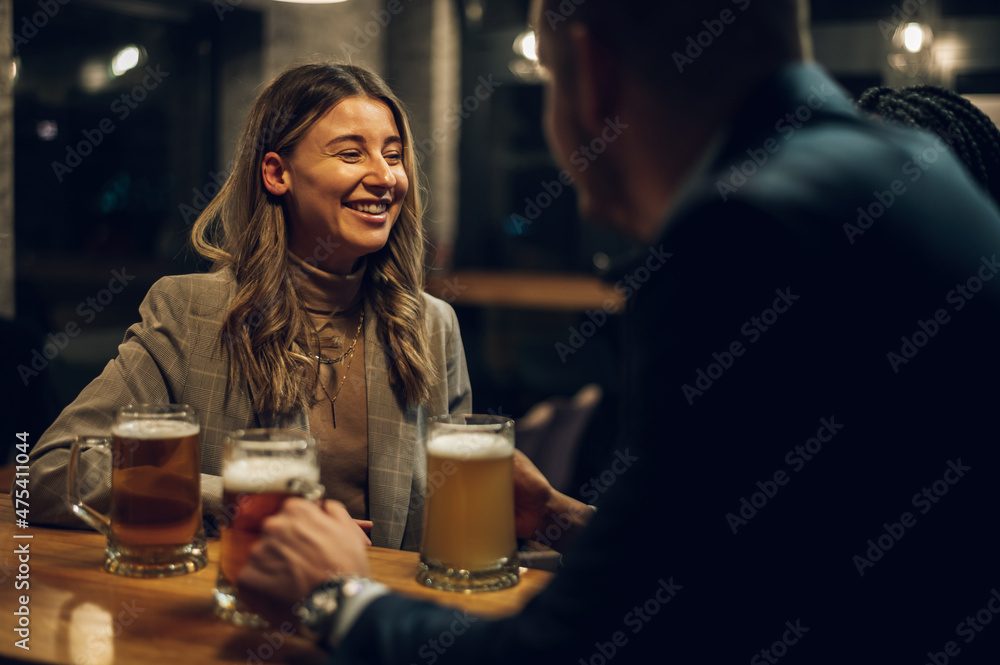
(370, 208)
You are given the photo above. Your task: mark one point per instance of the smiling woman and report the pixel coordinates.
(313, 316)
(345, 178)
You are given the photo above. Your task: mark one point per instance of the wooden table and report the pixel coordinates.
(81, 615)
(558, 292)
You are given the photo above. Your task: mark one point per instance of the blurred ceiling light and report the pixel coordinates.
(524, 45)
(47, 130)
(94, 75)
(312, 2)
(125, 59)
(916, 37)
(474, 12)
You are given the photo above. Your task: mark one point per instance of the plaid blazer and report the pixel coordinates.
(173, 355)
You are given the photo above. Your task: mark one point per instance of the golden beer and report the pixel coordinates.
(469, 517)
(469, 542)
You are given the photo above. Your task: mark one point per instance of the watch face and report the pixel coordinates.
(320, 606)
(352, 587)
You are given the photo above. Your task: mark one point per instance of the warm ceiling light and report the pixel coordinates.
(125, 59)
(312, 2)
(914, 37)
(525, 46)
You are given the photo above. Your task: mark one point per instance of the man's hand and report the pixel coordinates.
(538, 506)
(300, 547)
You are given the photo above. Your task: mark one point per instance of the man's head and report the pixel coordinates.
(667, 76)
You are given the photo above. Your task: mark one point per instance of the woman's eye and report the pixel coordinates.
(393, 157)
(351, 155)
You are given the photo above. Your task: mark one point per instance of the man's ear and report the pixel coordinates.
(274, 171)
(598, 78)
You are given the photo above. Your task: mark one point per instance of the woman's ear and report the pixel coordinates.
(275, 173)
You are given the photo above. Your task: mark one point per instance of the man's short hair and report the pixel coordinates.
(682, 44)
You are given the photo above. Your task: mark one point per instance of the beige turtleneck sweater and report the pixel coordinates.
(333, 303)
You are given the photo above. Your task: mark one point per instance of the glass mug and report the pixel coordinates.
(260, 469)
(469, 541)
(154, 527)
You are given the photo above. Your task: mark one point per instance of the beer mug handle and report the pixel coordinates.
(79, 508)
(307, 489)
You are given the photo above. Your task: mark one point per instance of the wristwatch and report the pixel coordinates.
(319, 609)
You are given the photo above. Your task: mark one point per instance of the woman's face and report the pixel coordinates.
(343, 185)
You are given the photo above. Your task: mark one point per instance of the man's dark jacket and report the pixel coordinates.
(811, 414)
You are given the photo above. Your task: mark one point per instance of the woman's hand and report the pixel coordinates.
(532, 495)
(540, 511)
(366, 528)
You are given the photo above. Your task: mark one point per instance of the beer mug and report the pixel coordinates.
(469, 542)
(260, 469)
(154, 528)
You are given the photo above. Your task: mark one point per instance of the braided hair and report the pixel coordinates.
(969, 131)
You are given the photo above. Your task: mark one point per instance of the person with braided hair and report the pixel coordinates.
(809, 416)
(970, 132)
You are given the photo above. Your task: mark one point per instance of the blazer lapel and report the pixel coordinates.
(393, 449)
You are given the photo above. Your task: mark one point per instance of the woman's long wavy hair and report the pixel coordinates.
(245, 229)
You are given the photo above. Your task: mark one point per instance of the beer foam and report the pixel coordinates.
(154, 428)
(261, 474)
(469, 445)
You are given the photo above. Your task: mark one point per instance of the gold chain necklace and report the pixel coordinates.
(349, 354)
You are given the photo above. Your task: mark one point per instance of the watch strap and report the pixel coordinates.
(331, 608)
